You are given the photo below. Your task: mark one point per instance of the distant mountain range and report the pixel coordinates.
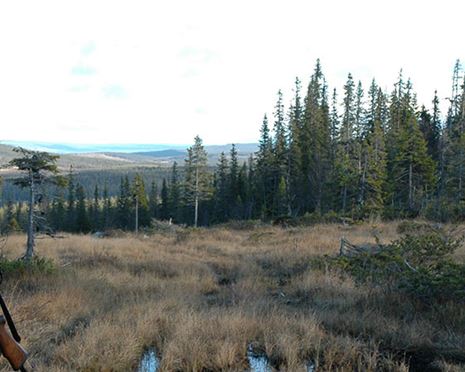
(67, 148)
(121, 156)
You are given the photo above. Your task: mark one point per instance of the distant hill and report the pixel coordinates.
(153, 150)
(162, 153)
(66, 148)
(85, 160)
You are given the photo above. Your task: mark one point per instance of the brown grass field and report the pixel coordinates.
(200, 297)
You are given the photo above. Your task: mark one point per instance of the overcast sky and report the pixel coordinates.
(164, 71)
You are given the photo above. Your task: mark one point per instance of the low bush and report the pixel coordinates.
(37, 265)
(420, 266)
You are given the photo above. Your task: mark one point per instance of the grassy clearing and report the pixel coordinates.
(201, 297)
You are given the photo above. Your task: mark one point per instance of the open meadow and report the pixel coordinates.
(202, 297)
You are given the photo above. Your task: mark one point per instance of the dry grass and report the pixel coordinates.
(201, 297)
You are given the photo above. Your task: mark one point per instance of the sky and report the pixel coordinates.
(164, 71)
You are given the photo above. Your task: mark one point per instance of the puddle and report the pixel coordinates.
(311, 367)
(149, 361)
(257, 363)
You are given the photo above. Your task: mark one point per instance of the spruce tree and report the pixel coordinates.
(82, 219)
(315, 142)
(153, 200)
(70, 208)
(413, 170)
(140, 202)
(374, 173)
(174, 194)
(264, 173)
(124, 205)
(164, 207)
(96, 222)
(197, 180)
(294, 175)
(107, 210)
(232, 185)
(222, 189)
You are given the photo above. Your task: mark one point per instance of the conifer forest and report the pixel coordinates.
(352, 152)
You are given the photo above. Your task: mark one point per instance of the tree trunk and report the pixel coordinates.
(30, 225)
(137, 214)
(410, 187)
(344, 199)
(196, 211)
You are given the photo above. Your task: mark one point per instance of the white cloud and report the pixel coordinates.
(161, 72)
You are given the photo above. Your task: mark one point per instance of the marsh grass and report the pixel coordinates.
(201, 297)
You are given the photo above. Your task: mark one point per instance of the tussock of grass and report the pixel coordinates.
(201, 297)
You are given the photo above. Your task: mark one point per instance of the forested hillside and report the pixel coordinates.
(358, 152)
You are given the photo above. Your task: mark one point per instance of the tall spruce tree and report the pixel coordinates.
(412, 169)
(221, 189)
(153, 200)
(264, 172)
(82, 218)
(174, 194)
(294, 155)
(165, 203)
(197, 184)
(316, 142)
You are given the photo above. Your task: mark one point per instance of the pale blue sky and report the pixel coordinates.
(162, 72)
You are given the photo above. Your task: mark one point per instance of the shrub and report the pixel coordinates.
(242, 224)
(415, 227)
(37, 265)
(420, 266)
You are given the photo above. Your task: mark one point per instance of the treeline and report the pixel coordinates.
(357, 154)
(88, 179)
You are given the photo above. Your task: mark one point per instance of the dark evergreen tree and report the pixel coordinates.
(153, 201)
(140, 202)
(70, 208)
(294, 177)
(107, 210)
(232, 183)
(264, 172)
(222, 189)
(82, 218)
(315, 142)
(165, 202)
(124, 205)
(174, 194)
